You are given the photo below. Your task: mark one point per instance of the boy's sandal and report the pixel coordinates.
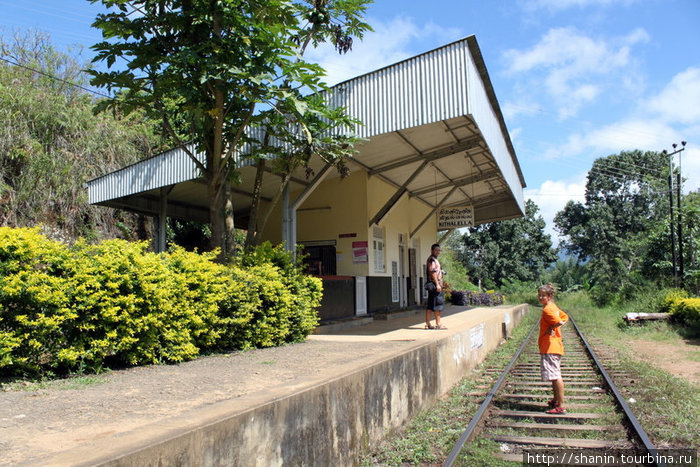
(440, 326)
(429, 326)
(558, 410)
(552, 403)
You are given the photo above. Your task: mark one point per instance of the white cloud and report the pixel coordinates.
(690, 168)
(389, 43)
(646, 135)
(625, 135)
(522, 106)
(671, 116)
(557, 5)
(569, 63)
(514, 133)
(575, 145)
(680, 99)
(552, 196)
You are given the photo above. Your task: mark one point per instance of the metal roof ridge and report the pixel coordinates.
(475, 51)
(140, 161)
(405, 60)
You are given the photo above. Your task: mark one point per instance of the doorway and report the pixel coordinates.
(403, 284)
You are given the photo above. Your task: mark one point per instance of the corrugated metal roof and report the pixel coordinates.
(442, 84)
(165, 169)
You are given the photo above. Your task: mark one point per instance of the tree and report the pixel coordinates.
(656, 262)
(568, 275)
(691, 227)
(516, 249)
(217, 71)
(45, 66)
(625, 202)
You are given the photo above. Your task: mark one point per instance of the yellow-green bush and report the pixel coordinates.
(35, 298)
(129, 307)
(687, 312)
(75, 308)
(670, 300)
(203, 287)
(302, 294)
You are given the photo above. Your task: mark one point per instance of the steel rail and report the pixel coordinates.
(469, 432)
(619, 398)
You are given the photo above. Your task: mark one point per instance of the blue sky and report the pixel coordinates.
(576, 79)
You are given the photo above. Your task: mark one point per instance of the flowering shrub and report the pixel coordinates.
(129, 306)
(671, 299)
(35, 298)
(471, 298)
(77, 308)
(686, 311)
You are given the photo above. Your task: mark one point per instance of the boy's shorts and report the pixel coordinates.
(550, 364)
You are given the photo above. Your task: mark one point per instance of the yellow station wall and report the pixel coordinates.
(345, 206)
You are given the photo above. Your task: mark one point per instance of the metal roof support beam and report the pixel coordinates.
(432, 212)
(287, 220)
(289, 209)
(292, 179)
(238, 191)
(459, 182)
(150, 207)
(430, 156)
(366, 167)
(312, 186)
(249, 195)
(461, 188)
(160, 245)
(399, 193)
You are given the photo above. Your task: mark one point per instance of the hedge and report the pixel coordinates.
(464, 298)
(81, 307)
(684, 310)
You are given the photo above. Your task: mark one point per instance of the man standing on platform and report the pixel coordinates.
(436, 296)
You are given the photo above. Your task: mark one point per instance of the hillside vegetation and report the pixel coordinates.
(51, 143)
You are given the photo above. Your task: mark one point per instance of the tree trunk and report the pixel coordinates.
(275, 201)
(229, 226)
(216, 217)
(257, 190)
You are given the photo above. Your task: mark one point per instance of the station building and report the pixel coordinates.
(436, 155)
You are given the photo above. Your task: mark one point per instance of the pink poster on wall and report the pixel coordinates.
(359, 252)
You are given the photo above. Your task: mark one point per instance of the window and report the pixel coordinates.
(378, 255)
(394, 282)
(320, 260)
(378, 249)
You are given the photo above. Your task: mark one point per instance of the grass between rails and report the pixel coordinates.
(429, 437)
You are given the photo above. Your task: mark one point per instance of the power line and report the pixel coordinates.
(56, 78)
(623, 168)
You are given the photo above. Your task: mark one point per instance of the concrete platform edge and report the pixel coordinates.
(325, 422)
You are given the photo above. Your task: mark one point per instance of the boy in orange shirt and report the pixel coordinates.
(551, 346)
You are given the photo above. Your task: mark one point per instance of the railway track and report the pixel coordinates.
(512, 413)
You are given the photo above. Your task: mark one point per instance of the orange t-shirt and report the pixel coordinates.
(551, 314)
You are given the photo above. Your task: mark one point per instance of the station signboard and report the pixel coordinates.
(455, 217)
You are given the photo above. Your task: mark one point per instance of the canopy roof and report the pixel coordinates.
(433, 129)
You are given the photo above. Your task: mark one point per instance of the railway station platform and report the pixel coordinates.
(321, 402)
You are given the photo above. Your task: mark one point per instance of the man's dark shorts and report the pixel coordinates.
(436, 301)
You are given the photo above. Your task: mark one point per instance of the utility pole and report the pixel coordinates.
(678, 202)
(670, 211)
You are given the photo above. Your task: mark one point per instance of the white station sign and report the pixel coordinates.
(455, 217)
